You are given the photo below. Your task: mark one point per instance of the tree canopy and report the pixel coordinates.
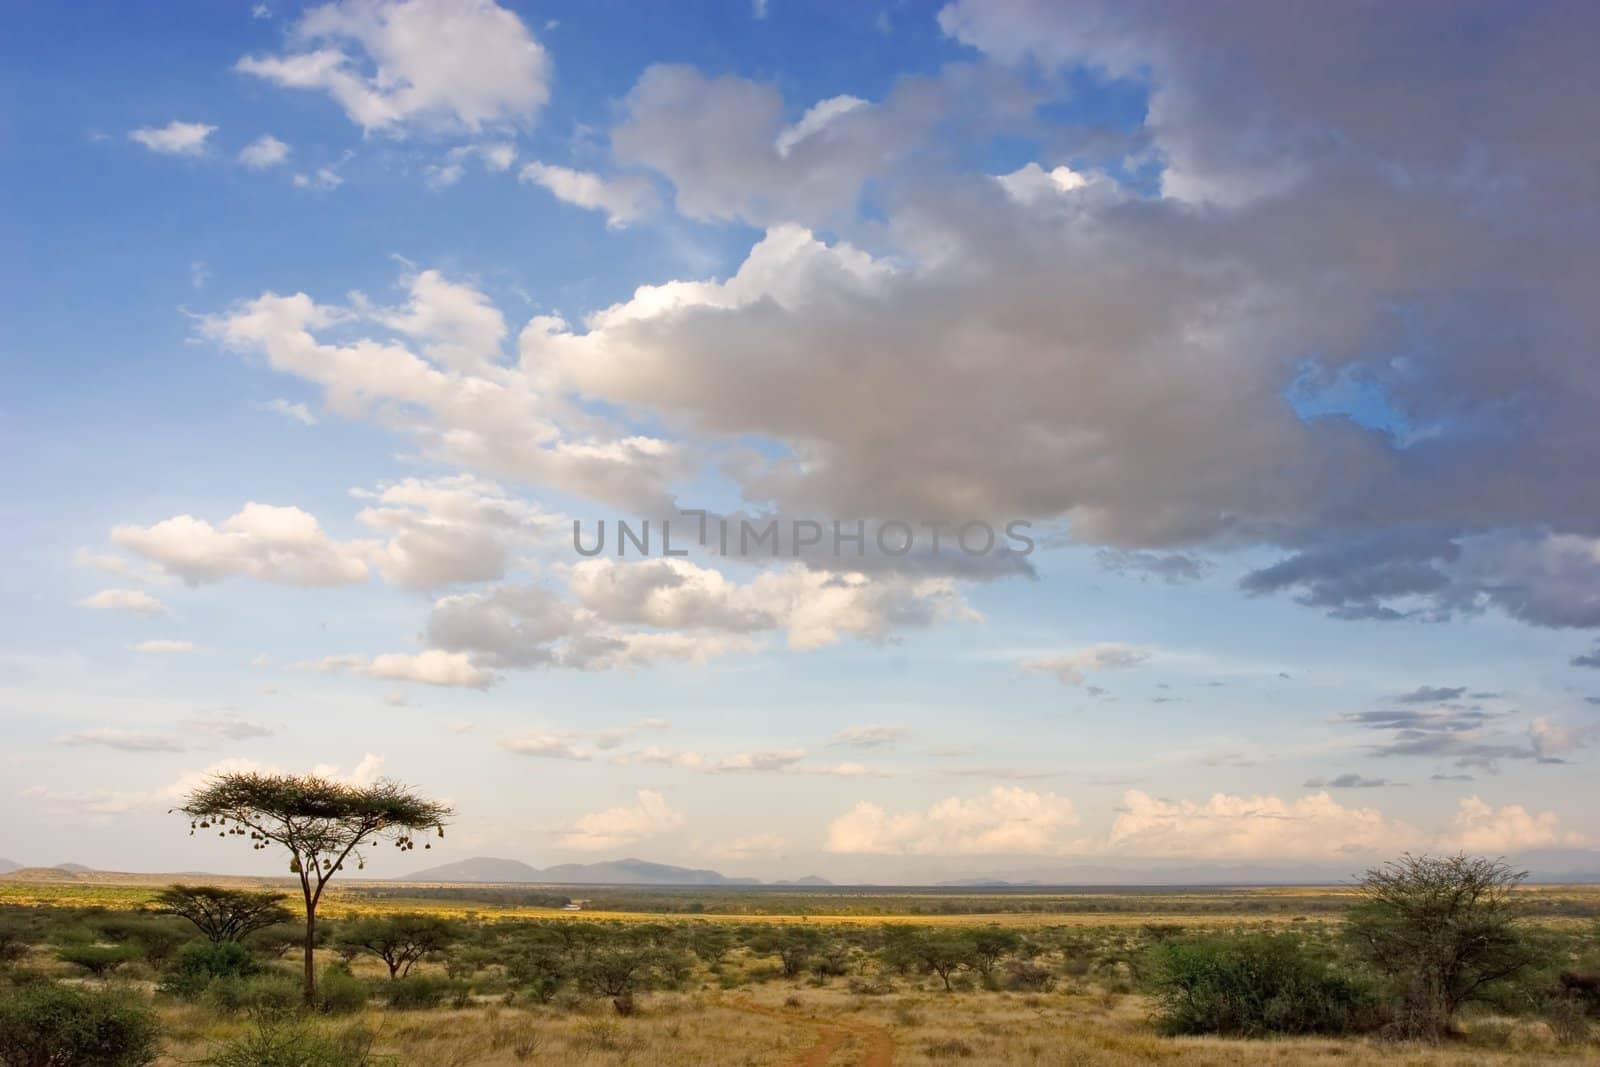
(223, 914)
(322, 822)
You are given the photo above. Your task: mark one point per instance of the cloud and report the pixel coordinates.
(1480, 828)
(1252, 827)
(263, 153)
(430, 667)
(545, 745)
(1174, 568)
(750, 846)
(613, 827)
(1005, 821)
(448, 530)
(870, 735)
(1070, 668)
(1432, 694)
(283, 545)
(1467, 735)
(163, 647)
(1347, 781)
(123, 740)
(1588, 659)
(296, 411)
(175, 138)
(623, 200)
(225, 725)
(768, 761)
(396, 64)
(131, 601)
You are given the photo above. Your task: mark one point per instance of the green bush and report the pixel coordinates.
(273, 1044)
(43, 1024)
(1252, 985)
(339, 992)
(198, 964)
(268, 991)
(98, 960)
(420, 991)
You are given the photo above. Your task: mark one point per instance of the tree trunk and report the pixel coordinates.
(311, 942)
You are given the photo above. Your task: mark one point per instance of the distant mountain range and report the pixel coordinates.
(6, 866)
(611, 872)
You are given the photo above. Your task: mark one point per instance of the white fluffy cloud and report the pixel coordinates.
(623, 200)
(1005, 821)
(393, 64)
(1070, 668)
(268, 543)
(430, 667)
(175, 138)
(1253, 827)
(1483, 829)
(649, 815)
(263, 153)
(131, 601)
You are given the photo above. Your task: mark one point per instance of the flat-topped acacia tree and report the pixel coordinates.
(322, 823)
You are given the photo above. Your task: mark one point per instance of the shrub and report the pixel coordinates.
(273, 1044)
(339, 992)
(198, 964)
(98, 960)
(270, 991)
(420, 991)
(43, 1024)
(1031, 977)
(1250, 986)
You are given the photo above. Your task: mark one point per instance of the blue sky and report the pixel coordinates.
(323, 323)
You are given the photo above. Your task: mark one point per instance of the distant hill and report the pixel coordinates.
(6, 866)
(810, 879)
(614, 872)
(74, 868)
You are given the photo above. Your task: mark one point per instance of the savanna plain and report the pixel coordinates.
(410, 974)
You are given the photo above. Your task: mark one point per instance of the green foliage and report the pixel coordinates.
(274, 1043)
(43, 1024)
(339, 992)
(1444, 931)
(197, 965)
(269, 991)
(793, 945)
(422, 991)
(1251, 985)
(223, 914)
(98, 960)
(400, 941)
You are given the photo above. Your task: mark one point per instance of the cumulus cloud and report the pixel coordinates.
(623, 200)
(1174, 568)
(130, 601)
(175, 138)
(1005, 821)
(448, 530)
(1347, 781)
(263, 541)
(649, 815)
(1483, 829)
(1253, 827)
(430, 667)
(1071, 668)
(545, 745)
(394, 64)
(263, 153)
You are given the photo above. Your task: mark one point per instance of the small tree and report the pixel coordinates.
(322, 823)
(989, 944)
(1445, 929)
(399, 940)
(223, 914)
(944, 952)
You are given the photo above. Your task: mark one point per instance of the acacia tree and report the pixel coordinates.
(223, 914)
(1444, 929)
(322, 823)
(399, 940)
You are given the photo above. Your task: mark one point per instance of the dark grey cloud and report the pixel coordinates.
(1174, 568)
(1432, 694)
(1587, 659)
(1348, 781)
(1468, 736)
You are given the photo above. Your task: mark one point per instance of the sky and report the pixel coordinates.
(1258, 338)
